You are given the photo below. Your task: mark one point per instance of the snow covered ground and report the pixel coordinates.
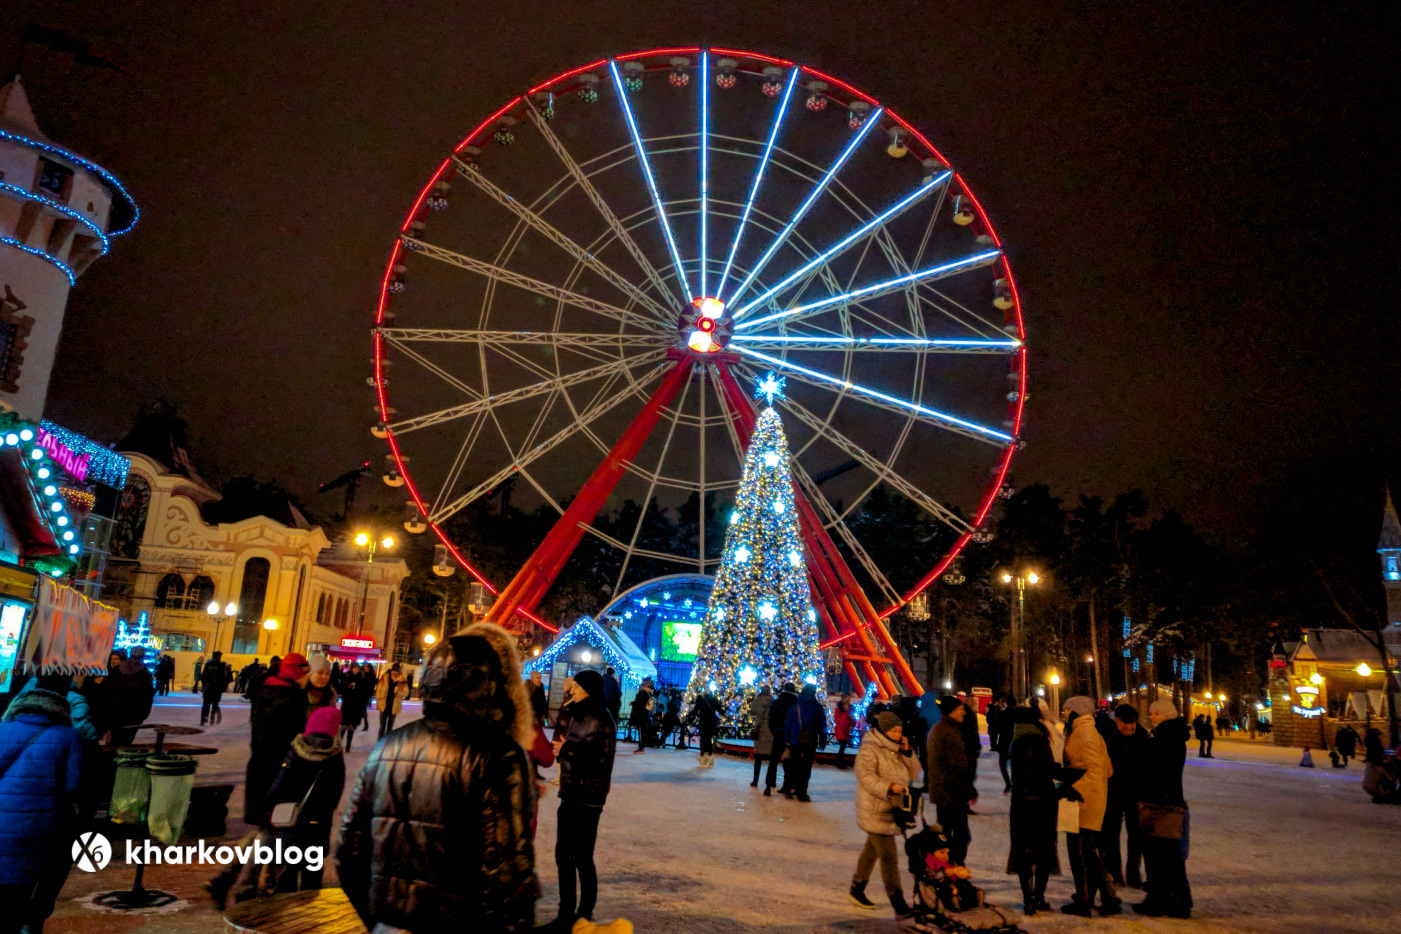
(1275, 848)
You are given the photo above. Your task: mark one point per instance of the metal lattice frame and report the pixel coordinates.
(854, 308)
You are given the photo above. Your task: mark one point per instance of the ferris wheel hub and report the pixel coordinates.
(705, 328)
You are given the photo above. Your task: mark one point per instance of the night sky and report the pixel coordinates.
(1192, 196)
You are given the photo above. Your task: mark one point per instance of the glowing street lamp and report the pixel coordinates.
(1365, 670)
(1315, 679)
(269, 624)
(1019, 672)
(1055, 692)
(368, 541)
(429, 638)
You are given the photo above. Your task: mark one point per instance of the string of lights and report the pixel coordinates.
(88, 164)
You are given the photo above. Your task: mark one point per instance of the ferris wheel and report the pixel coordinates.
(586, 288)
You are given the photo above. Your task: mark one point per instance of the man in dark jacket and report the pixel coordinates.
(278, 715)
(612, 694)
(1000, 729)
(640, 715)
(436, 837)
(585, 753)
(778, 716)
(214, 679)
(131, 691)
(41, 763)
(951, 776)
(1165, 755)
(1127, 743)
(804, 731)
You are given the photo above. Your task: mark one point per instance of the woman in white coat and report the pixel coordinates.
(885, 765)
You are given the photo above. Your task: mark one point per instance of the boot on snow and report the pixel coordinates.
(897, 901)
(858, 896)
(1079, 907)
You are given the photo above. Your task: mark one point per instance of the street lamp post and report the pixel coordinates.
(1019, 670)
(370, 543)
(214, 610)
(1055, 693)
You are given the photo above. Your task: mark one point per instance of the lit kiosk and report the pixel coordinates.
(58, 212)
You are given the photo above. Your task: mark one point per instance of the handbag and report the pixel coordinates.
(1161, 821)
(286, 813)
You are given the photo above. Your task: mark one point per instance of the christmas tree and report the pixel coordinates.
(760, 627)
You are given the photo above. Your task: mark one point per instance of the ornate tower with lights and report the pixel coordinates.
(760, 626)
(1389, 547)
(57, 213)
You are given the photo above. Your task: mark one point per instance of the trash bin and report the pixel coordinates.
(172, 778)
(131, 788)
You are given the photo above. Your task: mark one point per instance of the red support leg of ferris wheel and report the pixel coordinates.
(533, 580)
(846, 603)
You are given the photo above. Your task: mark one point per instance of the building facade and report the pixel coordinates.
(250, 589)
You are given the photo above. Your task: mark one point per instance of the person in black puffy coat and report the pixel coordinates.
(1169, 892)
(585, 754)
(436, 835)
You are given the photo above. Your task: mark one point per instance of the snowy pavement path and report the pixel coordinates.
(1275, 849)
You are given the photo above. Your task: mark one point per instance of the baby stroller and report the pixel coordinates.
(945, 903)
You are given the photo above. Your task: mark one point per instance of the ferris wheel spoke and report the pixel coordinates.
(603, 403)
(522, 394)
(830, 520)
(803, 209)
(875, 466)
(459, 462)
(876, 344)
(651, 181)
(436, 370)
(489, 337)
(590, 191)
(704, 170)
(885, 400)
(931, 184)
(866, 293)
(652, 483)
(510, 277)
(758, 180)
(473, 174)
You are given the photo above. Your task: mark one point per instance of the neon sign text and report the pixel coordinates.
(76, 464)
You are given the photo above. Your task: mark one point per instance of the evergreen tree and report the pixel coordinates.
(760, 626)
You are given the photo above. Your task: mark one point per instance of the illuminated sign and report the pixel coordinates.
(70, 460)
(1308, 705)
(353, 643)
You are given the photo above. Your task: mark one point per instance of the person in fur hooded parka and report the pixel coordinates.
(436, 835)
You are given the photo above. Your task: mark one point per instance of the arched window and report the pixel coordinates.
(321, 608)
(200, 594)
(297, 606)
(344, 614)
(250, 605)
(170, 592)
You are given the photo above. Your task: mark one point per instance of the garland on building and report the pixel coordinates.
(760, 627)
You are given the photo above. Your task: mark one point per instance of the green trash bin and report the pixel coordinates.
(172, 778)
(131, 788)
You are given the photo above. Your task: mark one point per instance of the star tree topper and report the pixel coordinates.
(770, 388)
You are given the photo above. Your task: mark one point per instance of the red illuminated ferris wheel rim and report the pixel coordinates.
(981, 223)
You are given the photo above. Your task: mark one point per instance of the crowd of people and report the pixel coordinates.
(462, 785)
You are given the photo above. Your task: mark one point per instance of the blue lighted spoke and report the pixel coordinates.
(870, 291)
(704, 165)
(816, 192)
(758, 177)
(837, 340)
(860, 232)
(876, 394)
(651, 182)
